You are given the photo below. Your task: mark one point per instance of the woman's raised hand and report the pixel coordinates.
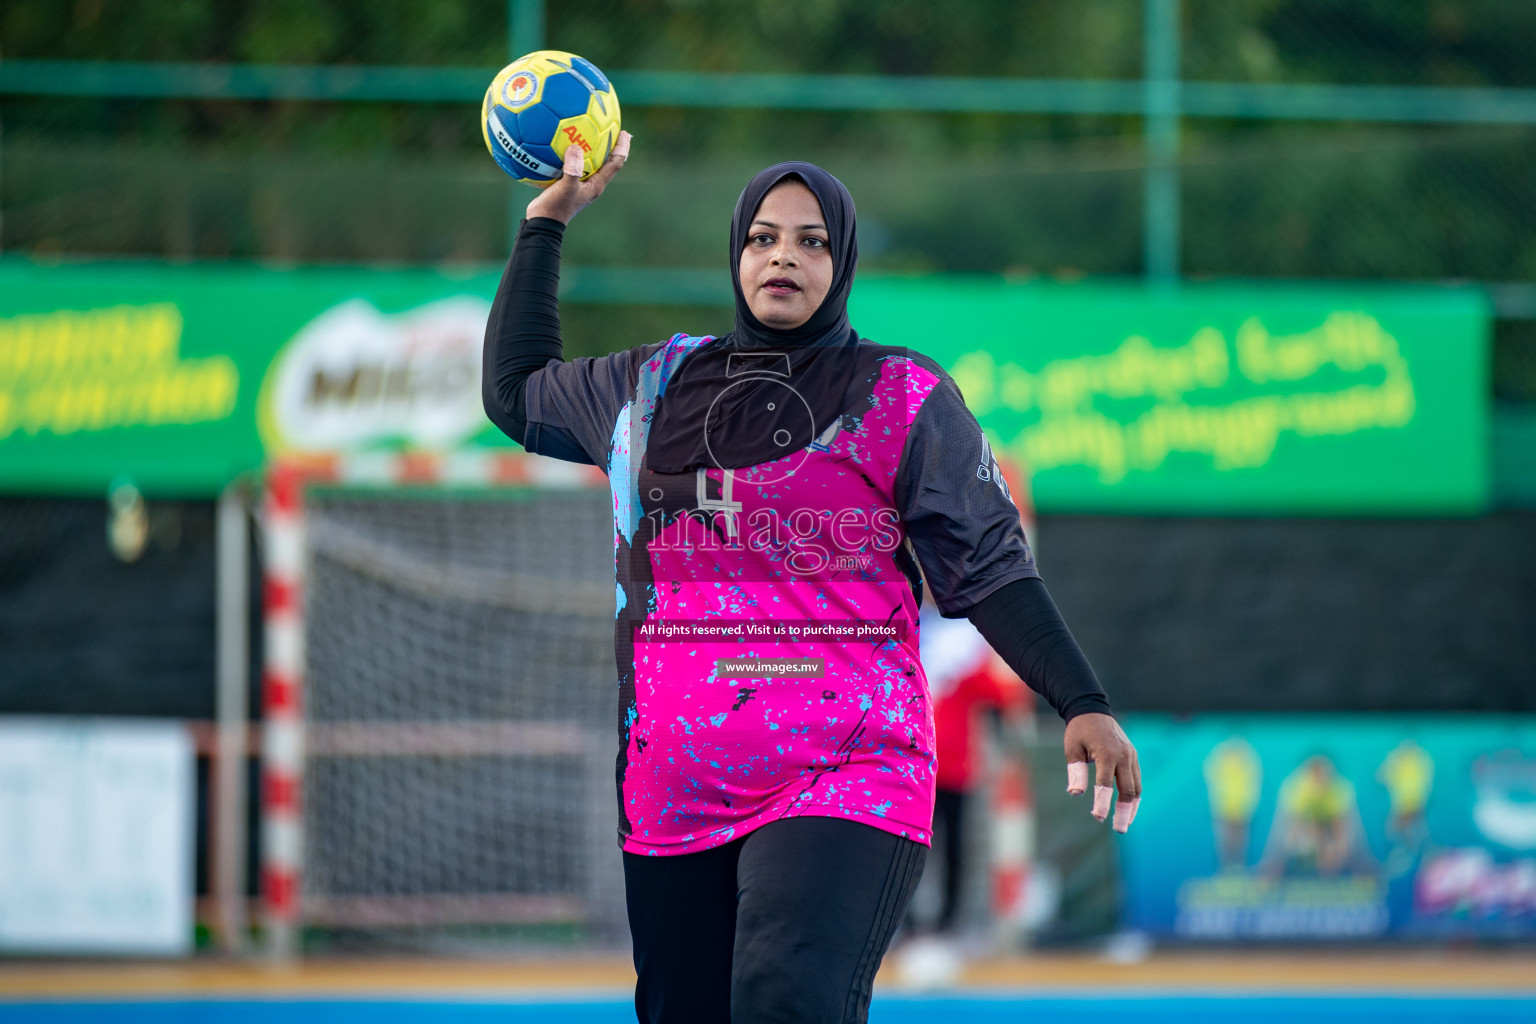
(570, 195)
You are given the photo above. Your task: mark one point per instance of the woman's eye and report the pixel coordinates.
(762, 239)
(816, 243)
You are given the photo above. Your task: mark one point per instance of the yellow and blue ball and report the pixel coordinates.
(540, 105)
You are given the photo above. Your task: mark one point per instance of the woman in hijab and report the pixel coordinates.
(780, 494)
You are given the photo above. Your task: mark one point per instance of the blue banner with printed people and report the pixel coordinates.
(1285, 827)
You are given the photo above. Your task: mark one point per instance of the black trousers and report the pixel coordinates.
(949, 823)
(786, 924)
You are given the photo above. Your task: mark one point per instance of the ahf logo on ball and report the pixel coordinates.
(356, 378)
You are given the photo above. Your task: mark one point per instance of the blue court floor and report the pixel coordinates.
(1158, 1008)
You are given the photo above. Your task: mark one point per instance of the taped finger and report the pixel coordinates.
(1125, 813)
(1077, 777)
(615, 161)
(1102, 796)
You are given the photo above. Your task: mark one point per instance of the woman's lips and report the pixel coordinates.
(780, 286)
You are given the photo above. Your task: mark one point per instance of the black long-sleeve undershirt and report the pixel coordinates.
(1026, 629)
(1019, 619)
(523, 332)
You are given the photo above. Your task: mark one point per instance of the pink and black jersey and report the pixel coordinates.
(766, 616)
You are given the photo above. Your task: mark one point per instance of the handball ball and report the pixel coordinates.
(541, 105)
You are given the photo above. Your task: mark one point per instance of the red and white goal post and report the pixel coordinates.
(380, 573)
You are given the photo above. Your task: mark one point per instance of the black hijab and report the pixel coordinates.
(760, 393)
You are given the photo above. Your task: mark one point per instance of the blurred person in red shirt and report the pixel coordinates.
(966, 681)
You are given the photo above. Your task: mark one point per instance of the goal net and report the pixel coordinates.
(452, 709)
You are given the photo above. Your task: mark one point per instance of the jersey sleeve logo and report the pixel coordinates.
(988, 471)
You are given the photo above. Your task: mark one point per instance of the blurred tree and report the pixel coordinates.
(1022, 194)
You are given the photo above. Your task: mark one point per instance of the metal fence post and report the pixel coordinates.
(525, 27)
(1161, 192)
(230, 758)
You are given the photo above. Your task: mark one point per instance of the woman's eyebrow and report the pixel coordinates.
(803, 227)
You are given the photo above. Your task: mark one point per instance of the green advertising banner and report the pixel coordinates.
(1205, 399)
(180, 378)
(1213, 398)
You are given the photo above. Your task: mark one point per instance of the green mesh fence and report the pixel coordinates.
(1030, 192)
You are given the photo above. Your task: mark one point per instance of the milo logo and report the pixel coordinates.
(356, 377)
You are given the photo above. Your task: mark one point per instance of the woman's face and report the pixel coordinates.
(786, 267)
